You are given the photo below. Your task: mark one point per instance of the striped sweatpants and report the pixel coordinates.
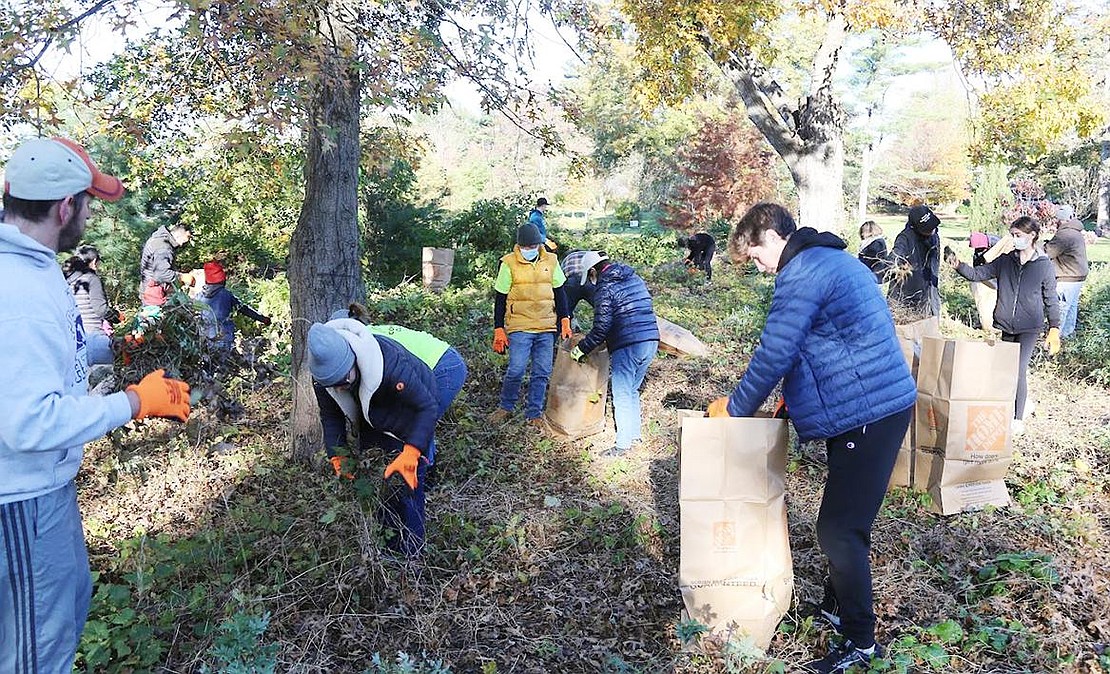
(45, 586)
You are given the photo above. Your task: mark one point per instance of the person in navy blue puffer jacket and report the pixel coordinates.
(830, 338)
(371, 384)
(625, 321)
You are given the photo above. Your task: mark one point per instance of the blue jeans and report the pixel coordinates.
(402, 509)
(450, 373)
(627, 369)
(1068, 292)
(538, 350)
(45, 585)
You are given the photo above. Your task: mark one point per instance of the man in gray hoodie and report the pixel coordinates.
(46, 416)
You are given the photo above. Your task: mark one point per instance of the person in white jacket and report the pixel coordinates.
(45, 414)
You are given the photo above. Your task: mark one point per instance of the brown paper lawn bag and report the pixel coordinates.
(735, 569)
(677, 340)
(965, 403)
(576, 392)
(909, 339)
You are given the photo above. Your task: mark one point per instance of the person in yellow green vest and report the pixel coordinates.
(529, 308)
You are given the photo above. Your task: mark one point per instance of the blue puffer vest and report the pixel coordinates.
(622, 311)
(830, 337)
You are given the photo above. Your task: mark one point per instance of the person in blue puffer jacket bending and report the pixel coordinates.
(830, 338)
(625, 321)
(222, 302)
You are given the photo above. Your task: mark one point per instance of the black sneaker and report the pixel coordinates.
(822, 618)
(844, 657)
(614, 452)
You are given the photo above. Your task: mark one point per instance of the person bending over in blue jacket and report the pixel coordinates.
(830, 338)
(625, 321)
(222, 302)
(391, 398)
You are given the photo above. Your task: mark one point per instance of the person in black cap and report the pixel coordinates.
(536, 217)
(915, 265)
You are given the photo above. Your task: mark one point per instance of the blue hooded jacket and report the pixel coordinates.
(222, 302)
(623, 314)
(830, 337)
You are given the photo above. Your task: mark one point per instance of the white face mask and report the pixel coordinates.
(1020, 243)
(530, 254)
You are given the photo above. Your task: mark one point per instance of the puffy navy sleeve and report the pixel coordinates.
(603, 319)
(406, 403)
(332, 419)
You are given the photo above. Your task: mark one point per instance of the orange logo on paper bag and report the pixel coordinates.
(724, 536)
(986, 428)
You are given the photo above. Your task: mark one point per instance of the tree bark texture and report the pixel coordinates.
(324, 270)
(1104, 186)
(809, 136)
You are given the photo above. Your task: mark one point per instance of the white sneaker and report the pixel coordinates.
(1017, 427)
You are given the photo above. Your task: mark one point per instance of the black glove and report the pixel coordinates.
(113, 316)
(950, 257)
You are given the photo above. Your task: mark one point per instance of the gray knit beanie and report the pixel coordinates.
(330, 357)
(528, 235)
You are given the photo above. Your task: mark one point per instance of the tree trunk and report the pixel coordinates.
(1104, 187)
(809, 137)
(864, 183)
(324, 272)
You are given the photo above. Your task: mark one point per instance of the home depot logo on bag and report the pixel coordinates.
(724, 536)
(987, 426)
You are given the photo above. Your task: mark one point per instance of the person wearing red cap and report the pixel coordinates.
(45, 353)
(222, 302)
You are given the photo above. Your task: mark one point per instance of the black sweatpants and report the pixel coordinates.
(1025, 340)
(860, 463)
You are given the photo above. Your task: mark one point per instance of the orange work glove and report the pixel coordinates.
(718, 408)
(405, 463)
(337, 462)
(781, 411)
(187, 280)
(564, 328)
(500, 340)
(160, 396)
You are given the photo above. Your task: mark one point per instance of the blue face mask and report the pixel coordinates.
(530, 254)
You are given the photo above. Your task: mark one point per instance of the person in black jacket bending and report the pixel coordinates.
(702, 246)
(1026, 283)
(625, 321)
(872, 249)
(389, 398)
(914, 272)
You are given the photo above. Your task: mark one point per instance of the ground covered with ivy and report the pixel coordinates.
(214, 552)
